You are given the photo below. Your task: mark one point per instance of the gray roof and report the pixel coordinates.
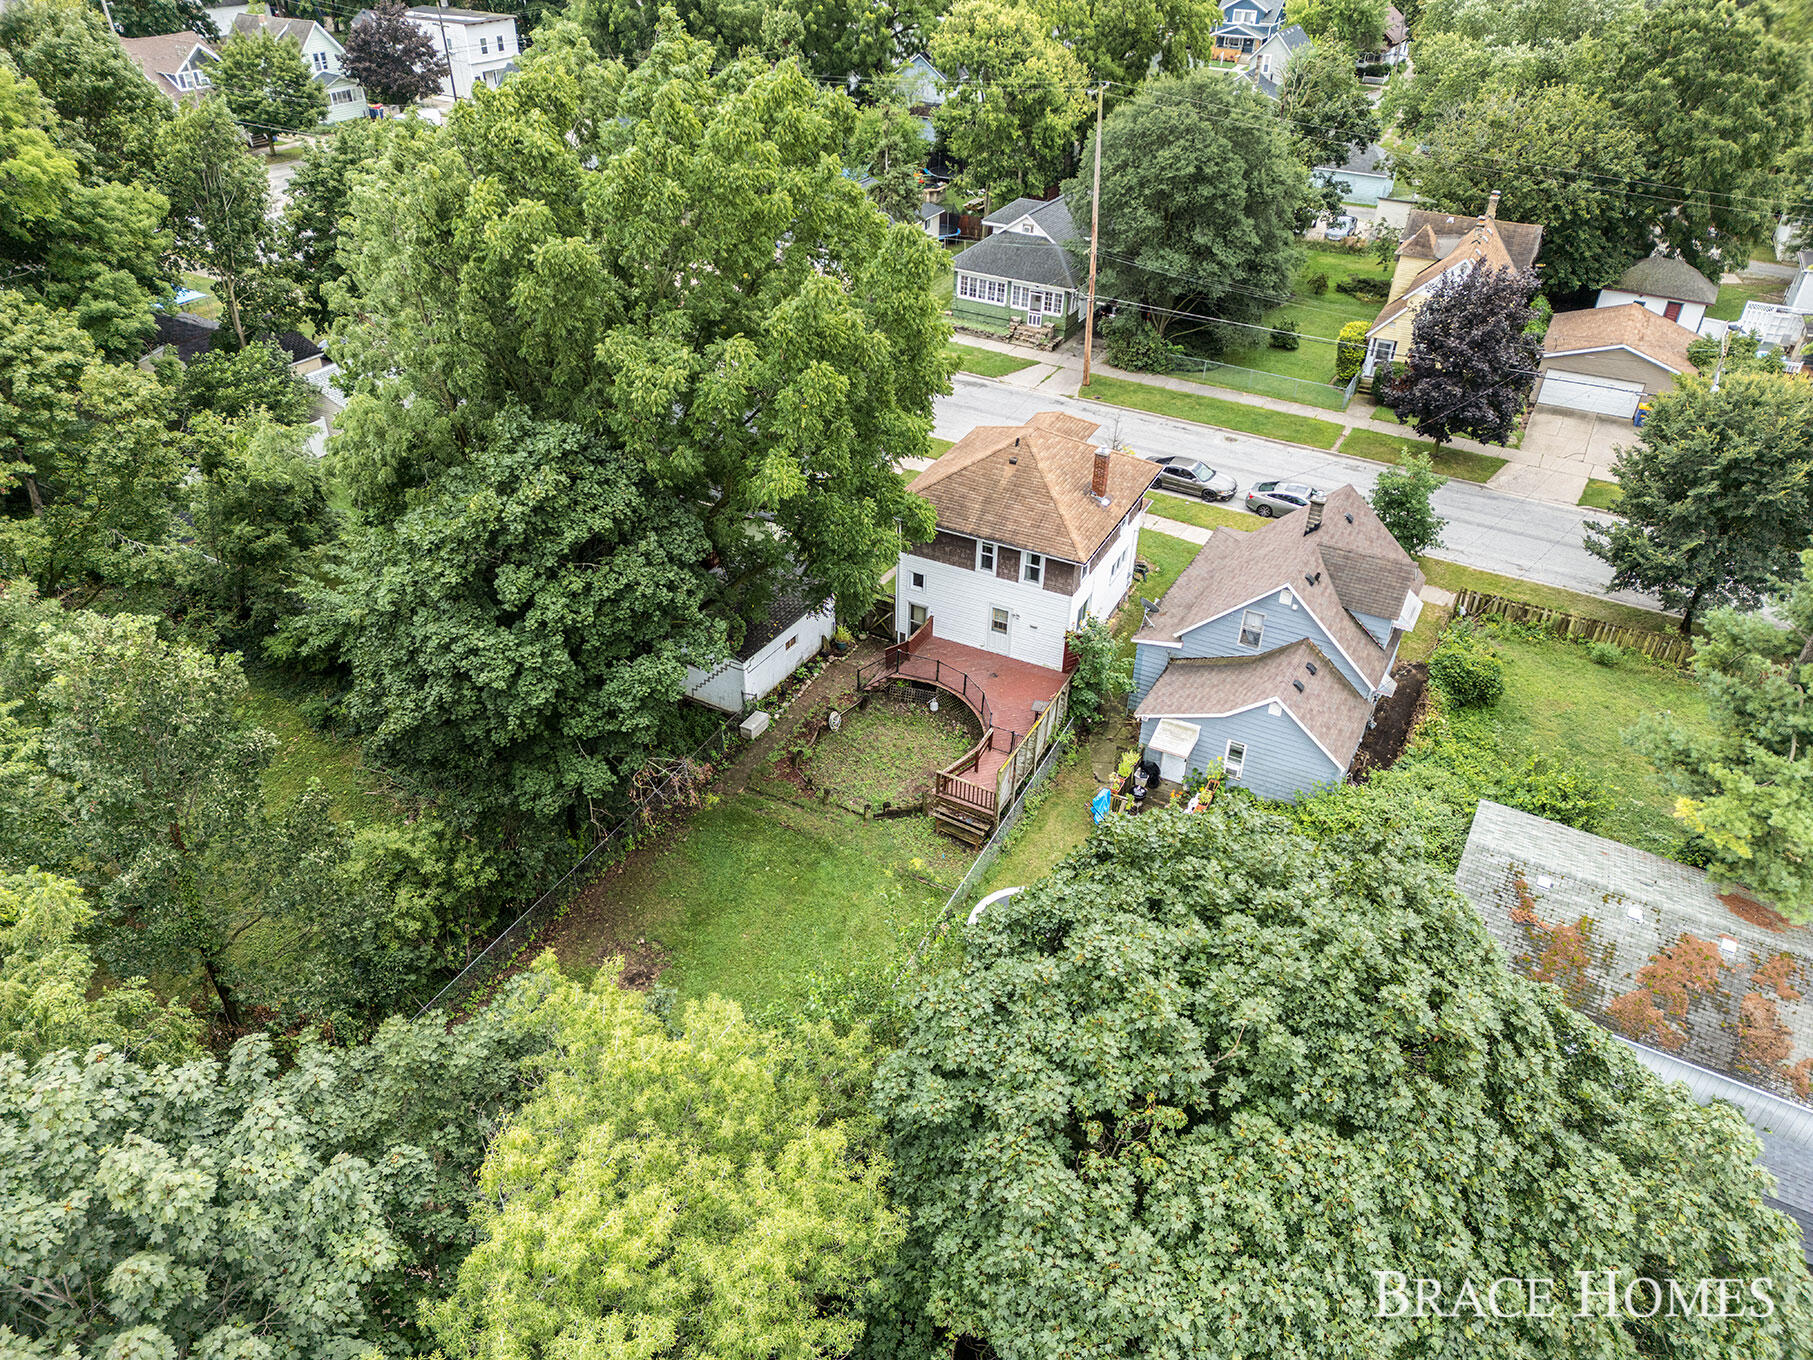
(1368, 161)
(1013, 212)
(927, 211)
(1298, 676)
(296, 30)
(1708, 988)
(1292, 37)
(1664, 276)
(1264, 84)
(1023, 258)
(791, 602)
(455, 16)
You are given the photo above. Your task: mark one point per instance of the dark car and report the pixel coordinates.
(1187, 477)
(1279, 498)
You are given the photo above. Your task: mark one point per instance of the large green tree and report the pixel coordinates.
(1125, 41)
(1326, 108)
(267, 84)
(1472, 358)
(889, 147)
(1358, 25)
(320, 195)
(713, 1191)
(250, 1207)
(1534, 23)
(1014, 98)
(149, 18)
(231, 383)
(1188, 1094)
(1746, 786)
(832, 39)
(1202, 197)
(1561, 157)
(1717, 498)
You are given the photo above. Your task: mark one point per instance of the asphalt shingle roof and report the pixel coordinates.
(1025, 258)
(1664, 276)
(1328, 707)
(1630, 323)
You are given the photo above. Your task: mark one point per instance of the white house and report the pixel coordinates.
(479, 47)
(1038, 529)
(321, 53)
(1271, 56)
(793, 630)
(1670, 288)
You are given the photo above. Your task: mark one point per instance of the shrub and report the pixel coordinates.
(1284, 336)
(1542, 311)
(1365, 287)
(1350, 351)
(1315, 283)
(1133, 343)
(1604, 653)
(1468, 670)
(1545, 788)
(1102, 673)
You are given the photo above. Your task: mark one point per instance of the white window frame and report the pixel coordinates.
(987, 554)
(1231, 765)
(1032, 568)
(1258, 632)
(344, 96)
(1019, 296)
(484, 48)
(320, 61)
(1383, 350)
(923, 611)
(919, 580)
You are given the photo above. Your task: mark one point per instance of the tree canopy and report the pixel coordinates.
(1472, 359)
(395, 61)
(1358, 25)
(267, 84)
(1187, 1094)
(1325, 106)
(1716, 497)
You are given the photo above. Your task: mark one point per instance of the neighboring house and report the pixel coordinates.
(177, 63)
(1365, 177)
(1270, 57)
(479, 47)
(1038, 529)
(1668, 287)
(330, 401)
(321, 53)
(921, 85)
(188, 336)
(1021, 272)
(1438, 246)
(1784, 324)
(1397, 39)
(793, 629)
(1708, 988)
(940, 222)
(1605, 360)
(1277, 644)
(1245, 24)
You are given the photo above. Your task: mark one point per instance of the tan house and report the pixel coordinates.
(1437, 246)
(177, 63)
(1607, 359)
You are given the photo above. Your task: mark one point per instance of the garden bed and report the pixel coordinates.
(882, 758)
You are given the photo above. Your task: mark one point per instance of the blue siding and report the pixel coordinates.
(1281, 761)
(1283, 626)
(1149, 663)
(1379, 628)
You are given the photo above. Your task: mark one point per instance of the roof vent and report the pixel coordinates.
(1348, 518)
(1014, 461)
(1310, 666)
(1297, 685)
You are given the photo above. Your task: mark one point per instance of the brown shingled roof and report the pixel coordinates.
(1483, 245)
(1631, 324)
(1420, 245)
(297, 30)
(1522, 240)
(162, 53)
(1029, 486)
(1350, 563)
(1327, 706)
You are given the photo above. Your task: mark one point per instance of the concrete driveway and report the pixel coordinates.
(1560, 450)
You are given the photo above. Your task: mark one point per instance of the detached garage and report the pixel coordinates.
(1605, 360)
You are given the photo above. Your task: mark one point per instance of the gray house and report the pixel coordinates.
(1708, 988)
(1276, 645)
(1365, 176)
(1021, 273)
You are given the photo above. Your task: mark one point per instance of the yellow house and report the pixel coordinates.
(1435, 245)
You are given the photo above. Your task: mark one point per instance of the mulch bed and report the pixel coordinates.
(1393, 722)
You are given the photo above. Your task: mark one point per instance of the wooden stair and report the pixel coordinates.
(962, 822)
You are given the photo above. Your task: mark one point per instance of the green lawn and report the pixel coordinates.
(1748, 288)
(1453, 576)
(1167, 556)
(939, 447)
(1461, 464)
(359, 795)
(1559, 701)
(1599, 495)
(1059, 823)
(986, 363)
(1202, 514)
(208, 307)
(757, 890)
(1208, 410)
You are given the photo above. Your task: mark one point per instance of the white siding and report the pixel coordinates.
(720, 689)
(468, 66)
(1692, 313)
(735, 684)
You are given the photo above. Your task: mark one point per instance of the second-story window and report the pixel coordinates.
(1032, 568)
(985, 557)
(482, 47)
(1252, 629)
(320, 61)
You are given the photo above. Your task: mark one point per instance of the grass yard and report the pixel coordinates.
(939, 447)
(1453, 576)
(1208, 410)
(887, 752)
(1202, 514)
(1168, 557)
(1748, 288)
(208, 307)
(1559, 701)
(986, 363)
(1599, 495)
(303, 753)
(755, 891)
(1461, 464)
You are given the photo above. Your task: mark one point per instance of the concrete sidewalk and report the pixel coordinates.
(1548, 466)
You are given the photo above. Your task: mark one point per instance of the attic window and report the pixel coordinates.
(1284, 596)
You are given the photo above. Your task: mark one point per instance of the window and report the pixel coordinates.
(483, 46)
(320, 61)
(997, 621)
(985, 557)
(1027, 228)
(1382, 350)
(915, 617)
(1233, 764)
(792, 642)
(1019, 296)
(919, 580)
(982, 290)
(1252, 628)
(343, 96)
(1032, 567)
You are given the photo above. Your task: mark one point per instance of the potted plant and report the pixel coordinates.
(841, 640)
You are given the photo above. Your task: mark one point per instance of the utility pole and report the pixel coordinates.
(107, 9)
(1095, 221)
(447, 49)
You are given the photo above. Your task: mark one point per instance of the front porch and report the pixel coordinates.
(1021, 707)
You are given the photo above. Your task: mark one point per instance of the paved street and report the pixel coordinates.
(1536, 540)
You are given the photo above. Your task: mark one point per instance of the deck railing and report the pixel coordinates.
(898, 661)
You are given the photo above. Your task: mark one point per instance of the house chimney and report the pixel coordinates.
(1316, 505)
(1492, 207)
(1098, 481)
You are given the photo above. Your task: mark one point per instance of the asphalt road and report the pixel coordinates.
(1534, 540)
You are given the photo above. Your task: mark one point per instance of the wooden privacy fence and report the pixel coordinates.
(1666, 647)
(1032, 747)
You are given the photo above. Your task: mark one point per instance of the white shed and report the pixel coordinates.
(772, 649)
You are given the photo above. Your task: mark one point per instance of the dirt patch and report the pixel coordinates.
(1393, 722)
(1756, 913)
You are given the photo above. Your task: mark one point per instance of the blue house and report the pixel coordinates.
(1244, 25)
(1276, 646)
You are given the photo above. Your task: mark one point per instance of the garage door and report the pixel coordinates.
(1583, 392)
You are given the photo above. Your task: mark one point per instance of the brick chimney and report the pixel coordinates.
(1492, 207)
(1098, 482)
(1317, 504)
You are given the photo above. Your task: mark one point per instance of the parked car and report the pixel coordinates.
(1279, 498)
(1188, 477)
(1341, 228)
